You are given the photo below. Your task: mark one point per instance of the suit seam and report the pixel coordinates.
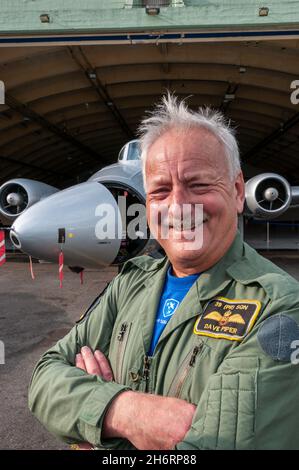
(219, 415)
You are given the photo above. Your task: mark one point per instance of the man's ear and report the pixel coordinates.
(240, 192)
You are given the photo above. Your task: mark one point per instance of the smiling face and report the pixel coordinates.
(190, 167)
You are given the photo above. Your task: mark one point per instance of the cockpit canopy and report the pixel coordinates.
(130, 151)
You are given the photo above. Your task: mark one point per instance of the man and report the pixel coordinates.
(193, 351)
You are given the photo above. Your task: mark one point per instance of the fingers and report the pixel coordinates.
(79, 362)
(104, 365)
(91, 364)
(82, 446)
(94, 364)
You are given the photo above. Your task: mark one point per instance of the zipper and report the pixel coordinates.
(179, 381)
(122, 339)
(146, 371)
(194, 354)
(123, 329)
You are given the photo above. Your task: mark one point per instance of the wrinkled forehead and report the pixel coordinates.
(184, 152)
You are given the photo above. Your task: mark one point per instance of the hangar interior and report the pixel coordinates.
(69, 109)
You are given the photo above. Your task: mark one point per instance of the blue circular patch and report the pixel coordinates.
(276, 335)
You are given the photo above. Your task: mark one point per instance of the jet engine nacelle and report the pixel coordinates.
(19, 194)
(96, 223)
(68, 221)
(88, 221)
(268, 195)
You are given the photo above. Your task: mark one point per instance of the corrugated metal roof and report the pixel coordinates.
(70, 109)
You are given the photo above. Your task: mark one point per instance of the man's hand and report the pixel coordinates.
(94, 363)
(149, 422)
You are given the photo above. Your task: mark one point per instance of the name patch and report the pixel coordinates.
(227, 318)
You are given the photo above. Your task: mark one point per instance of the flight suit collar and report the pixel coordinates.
(212, 281)
(209, 284)
(146, 263)
(251, 268)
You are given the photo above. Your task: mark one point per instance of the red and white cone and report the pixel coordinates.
(2, 248)
(61, 261)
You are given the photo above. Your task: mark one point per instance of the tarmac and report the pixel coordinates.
(34, 314)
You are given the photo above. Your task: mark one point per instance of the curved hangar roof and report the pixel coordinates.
(69, 109)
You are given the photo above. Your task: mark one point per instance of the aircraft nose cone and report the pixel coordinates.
(74, 214)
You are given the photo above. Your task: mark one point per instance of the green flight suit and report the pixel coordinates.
(245, 385)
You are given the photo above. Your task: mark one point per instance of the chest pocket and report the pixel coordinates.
(181, 383)
(118, 349)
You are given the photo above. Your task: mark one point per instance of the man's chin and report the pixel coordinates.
(186, 249)
(188, 241)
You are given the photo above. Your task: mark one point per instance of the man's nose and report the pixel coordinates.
(178, 196)
(177, 203)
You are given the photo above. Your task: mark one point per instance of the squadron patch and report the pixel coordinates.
(227, 318)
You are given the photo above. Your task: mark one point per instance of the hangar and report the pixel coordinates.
(69, 109)
(77, 81)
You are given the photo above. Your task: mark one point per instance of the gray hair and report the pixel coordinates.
(171, 113)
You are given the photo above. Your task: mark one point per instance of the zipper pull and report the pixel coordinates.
(123, 329)
(196, 350)
(146, 368)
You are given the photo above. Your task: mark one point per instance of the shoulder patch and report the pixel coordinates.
(230, 319)
(277, 336)
(92, 306)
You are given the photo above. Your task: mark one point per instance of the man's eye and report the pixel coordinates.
(160, 191)
(199, 185)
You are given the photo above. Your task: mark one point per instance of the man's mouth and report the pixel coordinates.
(181, 227)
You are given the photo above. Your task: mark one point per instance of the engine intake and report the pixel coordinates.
(18, 195)
(268, 195)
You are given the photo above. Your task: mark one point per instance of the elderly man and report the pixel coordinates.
(192, 351)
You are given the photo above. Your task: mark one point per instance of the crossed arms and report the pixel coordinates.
(147, 421)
